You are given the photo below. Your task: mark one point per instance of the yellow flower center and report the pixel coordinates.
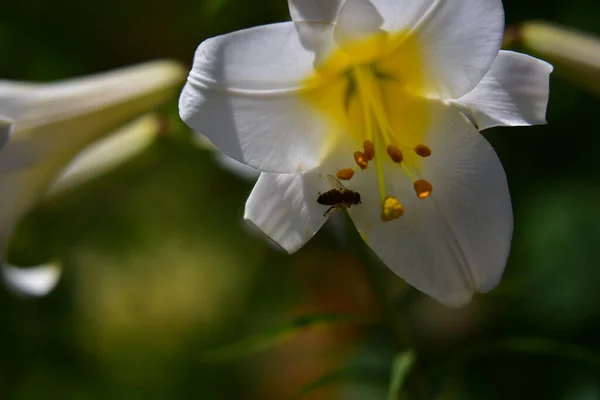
(372, 90)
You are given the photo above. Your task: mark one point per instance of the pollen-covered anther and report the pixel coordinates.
(395, 154)
(361, 160)
(423, 188)
(369, 150)
(422, 150)
(345, 174)
(391, 209)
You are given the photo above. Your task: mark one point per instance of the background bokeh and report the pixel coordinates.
(159, 268)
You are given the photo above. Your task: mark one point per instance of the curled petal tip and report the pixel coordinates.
(35, 281)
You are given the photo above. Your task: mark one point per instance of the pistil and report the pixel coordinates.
(391, 209)
(378, 133)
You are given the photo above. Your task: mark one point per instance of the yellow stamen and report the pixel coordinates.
(345, 174)
(361, 160)
(391, 209)
(422, 150)
(395, 153)
(369, 149)
(423, 188)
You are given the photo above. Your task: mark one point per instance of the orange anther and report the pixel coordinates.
(422, 150)
(423, 188)
(361, 160)
(345, 174)
(369, 150)
(395, 154)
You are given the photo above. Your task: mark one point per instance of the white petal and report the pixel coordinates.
(314, 10)
(456, 242)
(285, 208)
(460, 39)
(107, 154)
(32, 105)
(513, 93)
(242, 95)
(6, 126)
(317, 38)
(314, 21)
(21, 188)
(357, 19)
(35, 281)
(577, 52)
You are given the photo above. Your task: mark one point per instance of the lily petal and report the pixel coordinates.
(140, 86)
(285, 208)
(357, 19)
(459, 39)
(314, 10)
(576, 54)
(31, 282)
(456, 241)
(314, 23)
(514, 93)
(242, 95)
(108, 153)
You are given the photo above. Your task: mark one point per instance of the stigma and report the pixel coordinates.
(391, 209)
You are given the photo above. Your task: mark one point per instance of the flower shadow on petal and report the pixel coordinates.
(314, 10)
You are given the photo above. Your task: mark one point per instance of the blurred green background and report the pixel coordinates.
(159, 268)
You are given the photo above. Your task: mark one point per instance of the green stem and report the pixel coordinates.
(380, 279)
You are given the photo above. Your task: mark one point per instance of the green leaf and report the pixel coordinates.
(366, 374)
(355, 373)
(272, 337)
(402, 366)
(334, 376)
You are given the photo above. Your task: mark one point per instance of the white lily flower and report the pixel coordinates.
(388, 95)
(52, 124)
